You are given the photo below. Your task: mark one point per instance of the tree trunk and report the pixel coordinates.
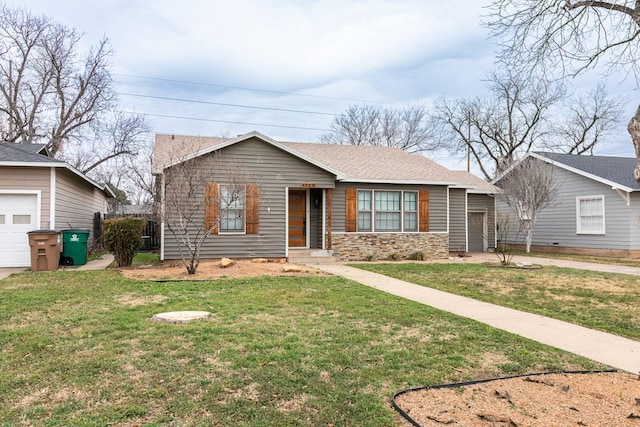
(634, 130)
(528, 237)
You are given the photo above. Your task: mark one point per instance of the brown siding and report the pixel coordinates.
(423, 210)
(76, 201)
(351, 207)
(30, 179)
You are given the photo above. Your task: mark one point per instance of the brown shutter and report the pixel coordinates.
(423, 210)
(252, 208)
(351, 202)
(212, 207)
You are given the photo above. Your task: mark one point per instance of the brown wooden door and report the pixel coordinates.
(297, 218)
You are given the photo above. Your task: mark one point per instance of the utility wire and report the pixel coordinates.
(224, 121)
(253, 89)
(225, 104)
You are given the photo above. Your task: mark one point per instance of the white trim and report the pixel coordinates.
(402, 211)
(162, 213)
(286, 222)
(52, 198)
(578, 216)
(60, 164)
(625, 195)
(396, 181)
(324, 219)
(466, 222)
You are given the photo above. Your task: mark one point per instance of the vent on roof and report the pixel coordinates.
(173, 137)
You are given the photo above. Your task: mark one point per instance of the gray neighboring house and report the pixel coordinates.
(40, 192)
(355, 202)
(597, 211)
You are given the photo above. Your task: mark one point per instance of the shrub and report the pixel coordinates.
(394, 257)
(417, 256)
(123, 237)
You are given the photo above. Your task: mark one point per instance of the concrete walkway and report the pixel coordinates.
(617, 352)
(99, 264)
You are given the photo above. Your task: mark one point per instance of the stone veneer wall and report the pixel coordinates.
(372, 246)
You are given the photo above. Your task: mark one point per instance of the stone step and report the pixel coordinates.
(311, 256)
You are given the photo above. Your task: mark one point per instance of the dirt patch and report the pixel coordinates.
(210, 270)
(592, 399)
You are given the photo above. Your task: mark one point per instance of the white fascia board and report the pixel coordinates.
(398, 181)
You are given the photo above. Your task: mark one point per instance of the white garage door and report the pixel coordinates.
(18, 215)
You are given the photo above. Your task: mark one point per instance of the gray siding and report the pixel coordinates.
(557, 226)
(485, 203)
(457, 220)
(437, 203)
(274, 171)
(76, 202)
(31, 179)
(635, 221)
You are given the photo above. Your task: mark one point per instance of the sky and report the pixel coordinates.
(285, 68)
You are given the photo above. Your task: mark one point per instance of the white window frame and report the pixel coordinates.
(579, 216)
(373, 211)
(222, 209)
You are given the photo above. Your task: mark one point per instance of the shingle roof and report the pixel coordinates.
(618, 170)
(24, 153)
(353, 163)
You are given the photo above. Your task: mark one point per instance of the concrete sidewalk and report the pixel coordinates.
(617, 352)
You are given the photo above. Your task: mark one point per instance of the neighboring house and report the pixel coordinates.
(358, 202)
(40, 192)
(597, 210)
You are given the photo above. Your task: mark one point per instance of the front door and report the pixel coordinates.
(476, 231)
(297, 218)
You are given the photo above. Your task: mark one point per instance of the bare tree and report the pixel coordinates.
(592, 117)
(567, 37)
(408, 128)
(497, 129)
(52, 93)
(195, 207)
(521, 116)
(504, 230)
(528, 188)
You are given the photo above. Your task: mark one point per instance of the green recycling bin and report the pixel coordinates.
(74, 247)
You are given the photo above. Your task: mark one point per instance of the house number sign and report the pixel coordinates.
(308, 185)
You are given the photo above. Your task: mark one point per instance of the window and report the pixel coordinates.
(390, 211)
(22, 219)
(364, 210)
(232, 208)
(590, 215)
(410, 211)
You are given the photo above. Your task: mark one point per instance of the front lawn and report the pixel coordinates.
(78, 348)
(604, 301)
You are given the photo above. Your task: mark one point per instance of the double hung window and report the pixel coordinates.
(389, 211)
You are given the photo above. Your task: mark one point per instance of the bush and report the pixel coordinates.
(123, 237)
(417, 256)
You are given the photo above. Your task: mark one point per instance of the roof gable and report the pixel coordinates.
(35, 155)
(614, 171)
(25, 153)
(349, 163)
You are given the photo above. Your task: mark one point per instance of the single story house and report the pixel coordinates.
(355, 202)
(39, 192)
(596, 211)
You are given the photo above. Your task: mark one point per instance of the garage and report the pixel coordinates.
(18, 216)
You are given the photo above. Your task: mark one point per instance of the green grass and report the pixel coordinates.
(604, 301)
(78, 348)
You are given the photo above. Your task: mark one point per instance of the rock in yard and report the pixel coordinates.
(291, 268)
(226, 262)
(180, 316)
(260, 260)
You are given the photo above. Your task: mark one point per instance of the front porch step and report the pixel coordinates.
(311, 256)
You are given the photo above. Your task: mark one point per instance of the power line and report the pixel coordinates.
(225, 104)
(252, 89)
(224, 121)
